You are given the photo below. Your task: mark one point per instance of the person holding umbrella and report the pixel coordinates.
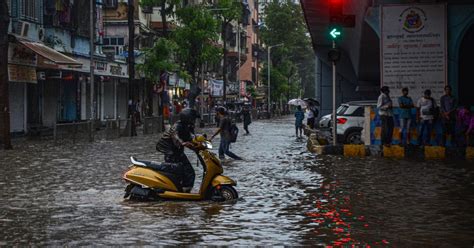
(299, 117)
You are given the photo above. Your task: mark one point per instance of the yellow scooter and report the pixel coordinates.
(148, 183)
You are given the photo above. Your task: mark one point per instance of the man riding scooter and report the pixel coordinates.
(172, 144)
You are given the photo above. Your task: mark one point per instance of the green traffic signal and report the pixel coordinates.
(335, 33)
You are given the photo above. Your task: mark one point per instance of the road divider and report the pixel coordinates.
(394, 151)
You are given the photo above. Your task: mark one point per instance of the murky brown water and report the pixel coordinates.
(72, 195)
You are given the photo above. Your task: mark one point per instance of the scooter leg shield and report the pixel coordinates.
(223, 180)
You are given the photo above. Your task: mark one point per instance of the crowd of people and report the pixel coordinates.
(457, 121)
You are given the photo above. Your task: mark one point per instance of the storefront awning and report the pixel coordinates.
(50, 54)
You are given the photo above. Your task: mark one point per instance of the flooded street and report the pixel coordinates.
(72, 195)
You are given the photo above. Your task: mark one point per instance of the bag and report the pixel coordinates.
(234, 132)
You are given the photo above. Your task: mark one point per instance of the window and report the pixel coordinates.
(110, 4)
(113, 45)
(28, 9)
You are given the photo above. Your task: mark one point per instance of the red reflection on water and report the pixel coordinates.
(335, 218)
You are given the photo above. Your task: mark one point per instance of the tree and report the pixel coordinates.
(159, 59)
(227, 11)
(167, 8)
(196, 38)
(4, 96)
(296, 57)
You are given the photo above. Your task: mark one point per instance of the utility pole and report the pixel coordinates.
(131, 62)
(334, 118)
(224, 62)
(4, 96)
(92, 50)
(238, 54)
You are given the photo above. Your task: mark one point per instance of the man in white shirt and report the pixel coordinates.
(384, 105)
(425, 116)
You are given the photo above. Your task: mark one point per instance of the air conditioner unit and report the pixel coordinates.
(25, 26)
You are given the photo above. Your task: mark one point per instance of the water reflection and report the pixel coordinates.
(72, 195)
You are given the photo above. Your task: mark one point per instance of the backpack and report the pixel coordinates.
(234, 132)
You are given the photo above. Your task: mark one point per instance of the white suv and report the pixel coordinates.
(350, 121)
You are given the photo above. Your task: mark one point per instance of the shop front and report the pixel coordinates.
(35, 77)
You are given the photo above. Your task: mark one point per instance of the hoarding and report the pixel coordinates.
(413, 48)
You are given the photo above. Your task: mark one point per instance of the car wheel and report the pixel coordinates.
(354, 138)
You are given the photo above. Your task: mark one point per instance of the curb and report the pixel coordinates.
(394, 151)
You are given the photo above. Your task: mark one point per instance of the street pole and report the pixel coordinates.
(4, 91)
(269, 64)
(131, 62)
(92, 50)
(202, 96)
(238, 54)
(334, 119)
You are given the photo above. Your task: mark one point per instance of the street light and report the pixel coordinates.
(269, 49)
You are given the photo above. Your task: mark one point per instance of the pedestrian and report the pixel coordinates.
(385, 105)
(299, 117)
(177, 107)
(224, 130)
(247, 119)
(463, 121)
(138, 110)
(310, 116)
(425, 116)
(448, 115)
(406, 104)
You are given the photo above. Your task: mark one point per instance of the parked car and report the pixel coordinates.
(350, 121)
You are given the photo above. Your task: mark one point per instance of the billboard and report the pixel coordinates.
(413, 48)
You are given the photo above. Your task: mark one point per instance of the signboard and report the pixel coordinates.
(21, 55)
(413, 48)
(217, 87)
(243, 88)
(21, 73)
(172, 81)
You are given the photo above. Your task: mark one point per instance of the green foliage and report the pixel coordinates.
(158, 59)
(228, 10)
(295, 60)
(196, 38)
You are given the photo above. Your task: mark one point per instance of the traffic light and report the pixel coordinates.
(335, 11)
(336, 16)
(334, 33)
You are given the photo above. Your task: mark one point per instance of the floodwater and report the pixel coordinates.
(71, 194)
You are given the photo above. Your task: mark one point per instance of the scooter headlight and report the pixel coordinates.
(208, 145)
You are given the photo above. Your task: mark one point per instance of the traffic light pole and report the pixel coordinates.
(334, 119)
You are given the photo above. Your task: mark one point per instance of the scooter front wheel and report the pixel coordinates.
(225, 193)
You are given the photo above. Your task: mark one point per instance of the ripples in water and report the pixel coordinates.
(72, 195)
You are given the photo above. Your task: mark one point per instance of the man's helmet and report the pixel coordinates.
(188, 116)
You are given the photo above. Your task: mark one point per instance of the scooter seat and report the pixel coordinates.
(170, 170)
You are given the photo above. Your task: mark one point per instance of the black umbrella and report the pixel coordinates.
(312, 101)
